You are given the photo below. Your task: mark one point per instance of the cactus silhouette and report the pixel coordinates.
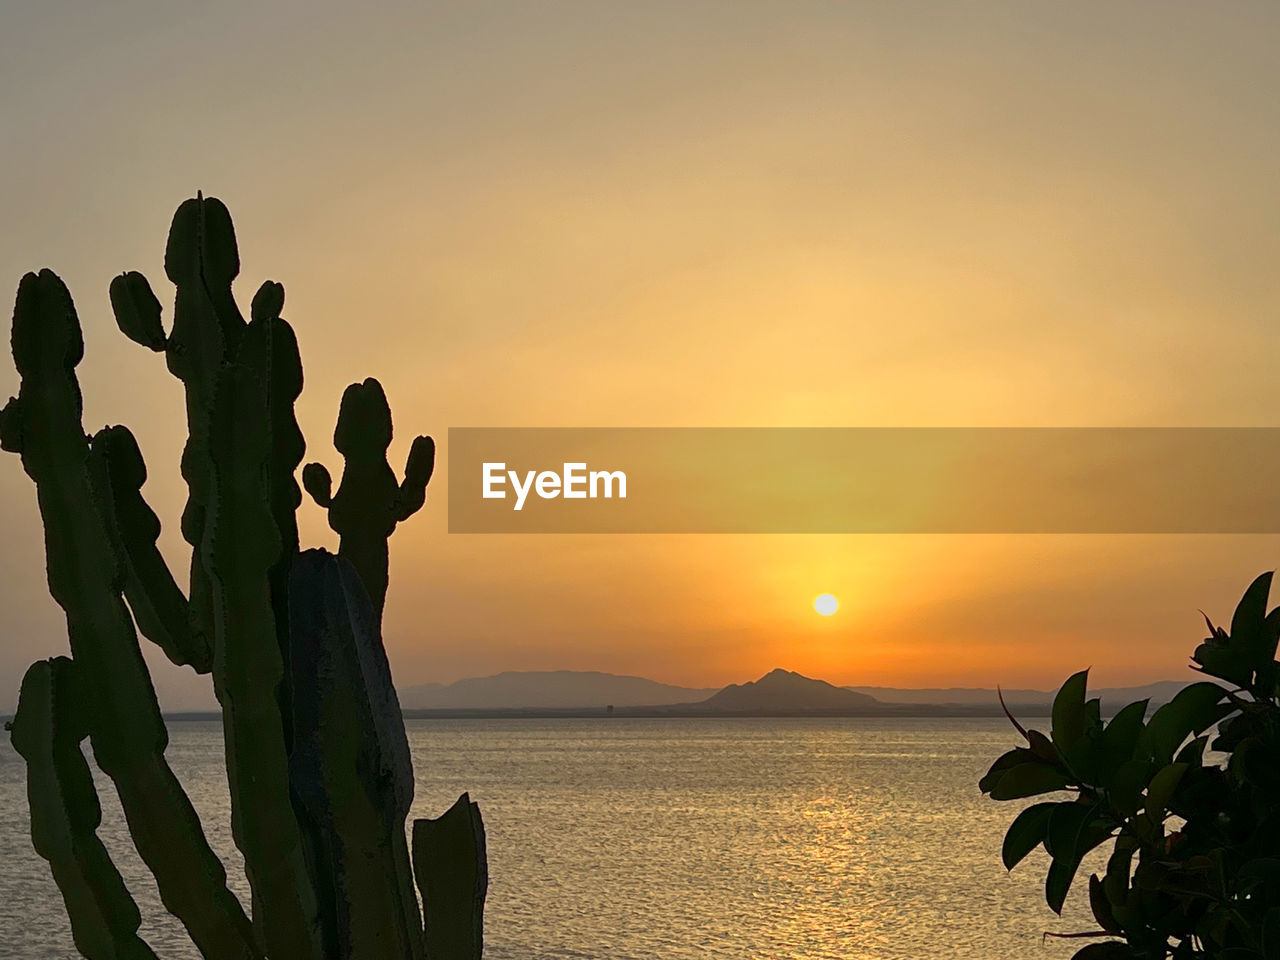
(48, 728)
(369, 502)
(316, 753)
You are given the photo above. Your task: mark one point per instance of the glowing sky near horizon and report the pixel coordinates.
(669, 214)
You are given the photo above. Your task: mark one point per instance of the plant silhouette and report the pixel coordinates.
(317, 757)
(1194, 869)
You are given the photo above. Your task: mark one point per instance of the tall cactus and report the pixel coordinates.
(316, 752)
(242, 547)
(127, 733)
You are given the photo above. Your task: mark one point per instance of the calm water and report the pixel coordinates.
(652, 839)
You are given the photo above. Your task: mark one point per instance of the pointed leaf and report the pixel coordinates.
(1161, 789)
(1194, 709)
(1025, 833)
(1069, 712)
(1028, 780)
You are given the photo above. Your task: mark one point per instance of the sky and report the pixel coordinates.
(686, 214)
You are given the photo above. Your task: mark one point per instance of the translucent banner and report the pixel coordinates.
(864, 480)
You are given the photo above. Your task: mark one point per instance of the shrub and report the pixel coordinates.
(1194, 869)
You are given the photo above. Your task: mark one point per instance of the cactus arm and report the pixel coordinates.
(270, 341)
(11, 426)
(268, 302)
(137, 311)
(159, 606)
(242, 546)
(274, 338)
(370, 502)
(350, 769)
(65, 814)
(417, 474)
(201, 259)
(318, 483)
(452, 871)
(126, 730)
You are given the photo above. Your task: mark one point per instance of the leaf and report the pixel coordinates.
(1004, 763)
(1251, 645)
(1194, 709)
(1116, 881)
(1018, 755)
(1101, 906)
(1043, 747)
(1093, 716)
(1073, 830)
(1125, 789)
(1066, 822)
(1161, 789)
(1120, 738)
(1193, 753)
(1025, 833)
(1248, 623)
(1058, 882)
(1069, 711)
(1028, 780)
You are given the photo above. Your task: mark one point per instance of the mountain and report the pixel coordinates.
(547, 689)
(779, 691)
(786, 690)
(1112, 697)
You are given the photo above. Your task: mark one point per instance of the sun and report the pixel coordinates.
(826, 604)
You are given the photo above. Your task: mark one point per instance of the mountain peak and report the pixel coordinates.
(787, 690)
(779, 672)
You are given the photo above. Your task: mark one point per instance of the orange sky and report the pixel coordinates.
(597, 214)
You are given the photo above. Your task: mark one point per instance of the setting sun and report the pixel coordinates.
(826, 604)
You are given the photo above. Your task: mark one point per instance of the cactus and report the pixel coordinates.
(317, 757)
(125, 728)
(450, 863)
(159, 606)
(358, 822)
(51, 721)
(369, 502)
(241, 549)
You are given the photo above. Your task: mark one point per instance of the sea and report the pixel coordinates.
(648, 839)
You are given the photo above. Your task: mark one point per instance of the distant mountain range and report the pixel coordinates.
(1112, 697)
(779, 692)
(547, 689)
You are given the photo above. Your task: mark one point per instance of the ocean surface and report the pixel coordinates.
(646, 839)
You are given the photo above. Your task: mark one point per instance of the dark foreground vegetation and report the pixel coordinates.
(317, 759)
(1194, 863)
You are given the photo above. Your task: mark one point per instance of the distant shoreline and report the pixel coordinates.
(681, 712)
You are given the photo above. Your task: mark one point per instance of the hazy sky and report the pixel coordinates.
(564, 214)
